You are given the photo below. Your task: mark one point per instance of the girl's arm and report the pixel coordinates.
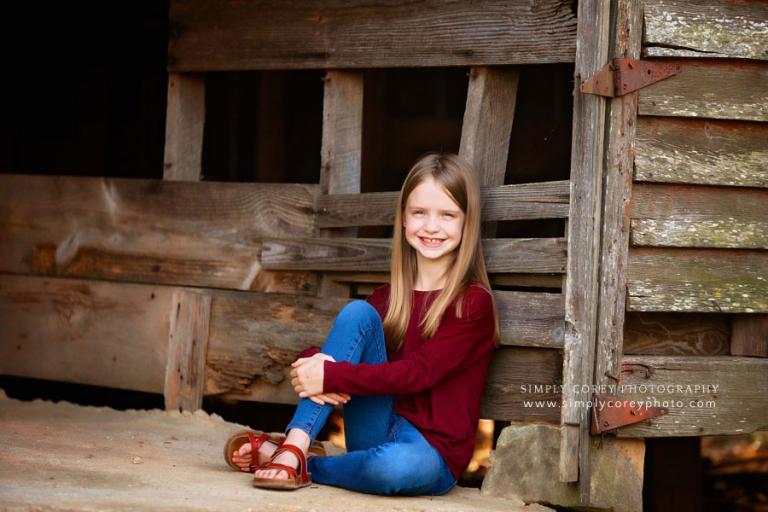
(436, 359)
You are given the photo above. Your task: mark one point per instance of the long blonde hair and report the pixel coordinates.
(456, 176)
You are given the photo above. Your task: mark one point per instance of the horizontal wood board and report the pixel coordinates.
(710, 88)
(697, 280)
(694, 216)
(703, 152)
(213, 35)
(690, 28)
(546, 200)
(531, 255)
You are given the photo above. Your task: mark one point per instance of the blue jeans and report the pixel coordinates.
(386, 454)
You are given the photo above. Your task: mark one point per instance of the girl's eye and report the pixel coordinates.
(449, 215)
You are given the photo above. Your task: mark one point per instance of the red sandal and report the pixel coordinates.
(297, 477)
(256, 439)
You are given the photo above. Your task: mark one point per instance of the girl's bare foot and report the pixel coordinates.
(242, 457)
(296, 437)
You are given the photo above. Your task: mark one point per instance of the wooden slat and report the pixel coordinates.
(529, 319)
(507, 394)
(673, 334)
(187, 347)
(86, 332)
(749, 335)
(545, 200)
(341, 151)
(614, 238)
(212, 35)
(678, 150)
(714, 89)
(367, 281)
(184, 121)
(739, 404)
(583, 229)
(693, 28)
(534, 255)
(704, 280)
(201, 234)
(692, 216)
(487, 126)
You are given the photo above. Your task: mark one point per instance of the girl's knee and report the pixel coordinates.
(405, 468)
(359, 310)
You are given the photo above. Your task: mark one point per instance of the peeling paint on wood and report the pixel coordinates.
(676, 150)
(705, 280)
(712, 89)
(700, 29)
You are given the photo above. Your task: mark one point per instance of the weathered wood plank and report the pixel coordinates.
(341, 151)
(581, 288)
(673, 334)
(201, 234)
(545, 200)
(532, 255)
(487, 126)
(710, 88)
(212, 35)
(187, 346)
(749, 335)
(622, 120)
(184, 122)
(704, 280)
(739, 403)
(86, 332)
(706, 29)
(366, 282)
(676, 150)
(509, 393)
(530, 319)
(693, 216)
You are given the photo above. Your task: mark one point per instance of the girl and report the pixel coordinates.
(414, 356)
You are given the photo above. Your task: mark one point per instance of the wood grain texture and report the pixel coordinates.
(533, 255)
(693, 216)
(509, 393)
(200, 234)
(187, 346)
(531, 319)
(677, 150)
(749, 335)
(341, 151)
(673, 334)
(545, 200)
(487, 126)
(86, 332)
(692, 28)
(617, 192)
(184, 122)
(583, 234)
(697, 280)
(213, 35)
(712, 89)
(739, 404)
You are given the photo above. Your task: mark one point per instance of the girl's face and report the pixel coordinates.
(432, 222)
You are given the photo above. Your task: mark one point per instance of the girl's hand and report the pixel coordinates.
(330, 398)
(308, 375)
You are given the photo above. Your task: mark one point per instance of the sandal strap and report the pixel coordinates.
(256, 445)
(299, 474)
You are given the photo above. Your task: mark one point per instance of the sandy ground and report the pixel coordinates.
(60, 456)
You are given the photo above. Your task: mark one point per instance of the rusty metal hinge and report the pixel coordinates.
(622, 76)
(610, 413)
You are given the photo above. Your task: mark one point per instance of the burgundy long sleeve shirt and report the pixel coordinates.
(437, 384)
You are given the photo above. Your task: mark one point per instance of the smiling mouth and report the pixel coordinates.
(432, 242)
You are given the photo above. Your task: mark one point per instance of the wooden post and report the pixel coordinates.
(184, 122)
(487, 126)
(593, 33)
(749, 335)
(341, 151)
(187, 347)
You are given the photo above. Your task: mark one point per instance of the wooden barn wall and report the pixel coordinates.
(697, 279)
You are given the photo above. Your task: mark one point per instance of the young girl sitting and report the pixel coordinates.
(409, 364)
